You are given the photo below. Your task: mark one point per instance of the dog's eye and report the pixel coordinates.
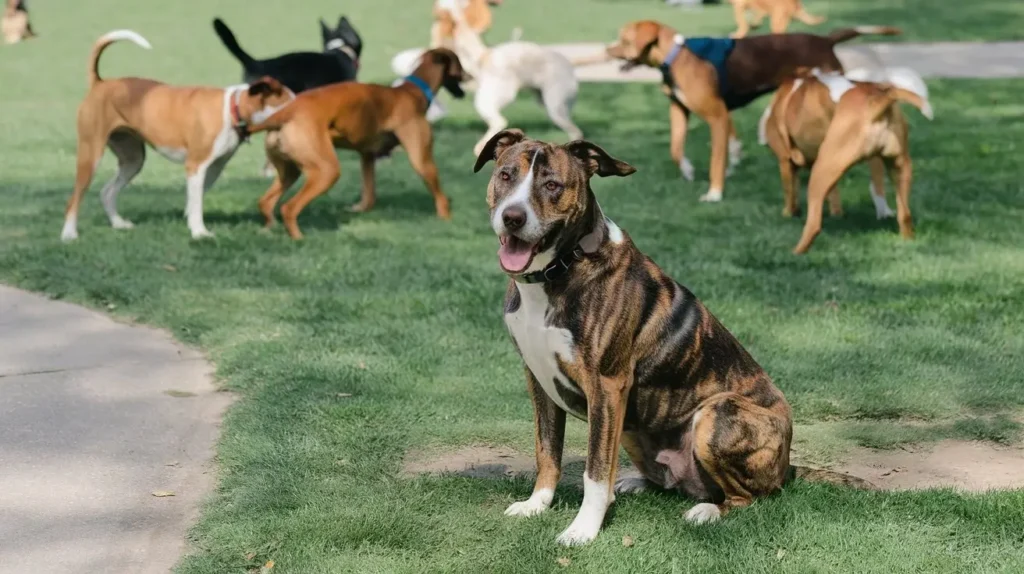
(553, 186)
(504, 176)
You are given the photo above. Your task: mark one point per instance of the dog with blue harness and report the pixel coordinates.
(713, 76)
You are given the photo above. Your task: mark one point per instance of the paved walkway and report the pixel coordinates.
(95, 416)
(933, 60)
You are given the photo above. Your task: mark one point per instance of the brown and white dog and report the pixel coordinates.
(477, 15)
(753, 67)
(198, 126)
(607, 337)
(827, 123)
(14, 25)
(367, 118)
(779, 12)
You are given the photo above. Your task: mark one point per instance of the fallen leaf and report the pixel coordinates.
(111, 306)
(341, 462)
(627, 541)
(162, 493)
(780, 554)
(172, 463)
(343, 395)
(893, 471)
(250, 556)
(170, 268)
(362, 365)
(563, 561)
(268, 566)
(178, 394)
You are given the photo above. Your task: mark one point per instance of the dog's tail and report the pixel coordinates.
(806, 17)
(101, 44)
(517, 34)
(830, 477)
(892, 94)
(844, 34)
(908, 80)
(231, 44)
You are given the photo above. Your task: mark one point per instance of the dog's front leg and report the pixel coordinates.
(549, 422)
(719, 124)
(678, 121)
(606, 408)
(194, 200)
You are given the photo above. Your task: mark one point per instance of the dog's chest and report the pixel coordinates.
(542, 345)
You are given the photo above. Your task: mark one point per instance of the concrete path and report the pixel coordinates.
(933, 60)
(95, 416)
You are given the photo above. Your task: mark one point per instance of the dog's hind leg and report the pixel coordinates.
(131, 154)
(90, 152)
(882, 209)
(836, 154)
(901, 172)
(492, 97)
(559, 104)
(367, 165)
(417, 140)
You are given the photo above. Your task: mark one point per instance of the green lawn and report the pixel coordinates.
(874, 340)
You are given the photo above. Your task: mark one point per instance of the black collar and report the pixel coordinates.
(554, 270)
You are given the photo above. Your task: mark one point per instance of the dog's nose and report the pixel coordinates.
(514, 218)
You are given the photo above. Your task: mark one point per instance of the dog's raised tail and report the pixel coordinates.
(844, 34)
(830, 477)
(101, 44)
(229, 41)
(808, 18)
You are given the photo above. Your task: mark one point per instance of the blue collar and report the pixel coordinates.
(677, 46)
(419, 83)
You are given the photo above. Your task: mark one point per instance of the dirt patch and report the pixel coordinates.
(968, 466)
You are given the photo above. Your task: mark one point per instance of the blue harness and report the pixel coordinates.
(419, 83)
(715, 51)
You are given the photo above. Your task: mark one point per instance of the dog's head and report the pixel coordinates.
(342, 38)
(441, 67)
(540, 199)
(635, 42)
(262, 99)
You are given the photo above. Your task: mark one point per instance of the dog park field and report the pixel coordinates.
(372, 355)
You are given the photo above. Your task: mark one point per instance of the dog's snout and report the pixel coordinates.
(514, 217)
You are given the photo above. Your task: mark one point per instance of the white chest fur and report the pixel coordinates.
(540, 343)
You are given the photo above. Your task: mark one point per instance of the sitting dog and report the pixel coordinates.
(607, 337)
(713, 76)
(501, 71)
(366, 118)
(200, 127)
(14, 25)
(780, 13)
(827, 123)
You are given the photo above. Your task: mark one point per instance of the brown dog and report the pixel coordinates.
(200, 127)
(607, 337)
(477, 14)
(827, 123)
(780, 13)
(366, 118)
(713, 76)
(14, 25)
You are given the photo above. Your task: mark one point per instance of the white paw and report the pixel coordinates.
(703, 513)
(630, 484)
(68, 235)
(528, 507)
(267, 171)
(118, 222)
(712, 196)
(579, 533)
(686, 168)
(882, 209)
(202, 233)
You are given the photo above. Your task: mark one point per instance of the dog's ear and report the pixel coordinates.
(265, 86)
(325, 30)
(496, 145)
(596, 160)
(453, 74)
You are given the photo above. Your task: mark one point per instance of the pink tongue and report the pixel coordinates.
(515, 255)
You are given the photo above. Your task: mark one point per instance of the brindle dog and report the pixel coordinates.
(606, 336)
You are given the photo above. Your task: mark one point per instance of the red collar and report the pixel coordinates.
(241, 126)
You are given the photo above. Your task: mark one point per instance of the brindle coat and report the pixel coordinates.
(649, 367)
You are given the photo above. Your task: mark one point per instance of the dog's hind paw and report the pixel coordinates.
(630, 484)
(686, 168)
(118, 222)
(712, 196)
(703, 513)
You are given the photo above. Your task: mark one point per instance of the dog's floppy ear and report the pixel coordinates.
(265, 86)
(453, 74)
(596, 160)
(496, 145)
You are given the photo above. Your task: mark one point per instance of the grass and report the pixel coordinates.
(874, 340)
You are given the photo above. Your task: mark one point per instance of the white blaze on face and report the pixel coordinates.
(521, 198)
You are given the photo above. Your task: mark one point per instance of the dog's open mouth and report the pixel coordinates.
(515, 255)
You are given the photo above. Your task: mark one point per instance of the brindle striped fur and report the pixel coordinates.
(651, 369)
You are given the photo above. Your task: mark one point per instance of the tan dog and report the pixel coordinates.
(477, 15)
(711, 85)
(606, 336)
(780, 13)
(14, 25)
(827, 123)
(366, 118)
(200, 127)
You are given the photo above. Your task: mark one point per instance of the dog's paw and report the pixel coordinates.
(712, 196)
(580, 532)
(882, 209)
(630, 484)
(360, 207)
(539, 502)
(703, 513)
(118, 222)
(686, 168)
(268, 172)
(68, 235)
(202, 234)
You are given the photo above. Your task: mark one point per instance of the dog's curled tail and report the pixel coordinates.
(844, 34)
(912, 88)
(101, 44)
(893, 94)
(830, 477)
(807, 18)
(228, 38)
